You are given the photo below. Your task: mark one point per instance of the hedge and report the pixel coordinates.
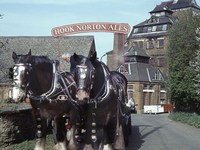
(192, 119)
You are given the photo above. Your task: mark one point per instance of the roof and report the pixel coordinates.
(153, 21)
(138, 68)
(41, 45)
(143, 72)
(136, 51)
(141, 30)
(175, 4)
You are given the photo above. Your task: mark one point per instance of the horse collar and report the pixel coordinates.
(106, 87)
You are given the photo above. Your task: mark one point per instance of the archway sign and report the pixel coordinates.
(119, 30)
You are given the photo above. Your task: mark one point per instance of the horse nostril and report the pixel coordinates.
(85, 99)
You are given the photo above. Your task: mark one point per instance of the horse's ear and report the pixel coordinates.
(28, 56)
(14, 55)
(93, 57)
(29, 53)
(76, 57)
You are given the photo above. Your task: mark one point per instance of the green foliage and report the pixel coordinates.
(189, 118)
(182, 51)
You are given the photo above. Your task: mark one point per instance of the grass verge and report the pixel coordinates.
(192, 119)
(29, 145)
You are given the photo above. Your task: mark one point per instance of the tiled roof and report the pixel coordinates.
(143, 72)
(172, 5)
(152, 21)
(158, 21)
(41, 45)
(136, 51)
(139, 69)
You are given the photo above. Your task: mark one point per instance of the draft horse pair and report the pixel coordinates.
(92, 88)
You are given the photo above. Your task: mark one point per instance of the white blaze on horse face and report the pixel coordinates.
(17, 75)
(17, 92)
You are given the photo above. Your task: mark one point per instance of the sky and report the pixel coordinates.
(38, 17)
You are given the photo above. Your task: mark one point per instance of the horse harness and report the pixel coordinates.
(58, 86)
(107, 88)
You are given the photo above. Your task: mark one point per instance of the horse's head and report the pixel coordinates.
(21, 71)
(83, 76)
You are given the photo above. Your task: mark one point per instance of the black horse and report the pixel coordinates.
(51, 96)
(104, 95)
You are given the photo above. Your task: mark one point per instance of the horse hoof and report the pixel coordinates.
(55, 147)
(88, 147)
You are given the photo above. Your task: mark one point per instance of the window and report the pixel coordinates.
(159, 28)
(140, 30)
(138, 44)
(162, 13)
(160, 43)
(149, 29)
(145, 29)
(135, 44)
(158, 76)
(135, 30)
(124, 68)
(164, 27)
(154, 28)
(161, 62)
(150, 44)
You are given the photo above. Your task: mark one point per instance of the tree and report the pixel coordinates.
(182, 51)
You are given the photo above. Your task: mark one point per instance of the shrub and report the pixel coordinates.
(192, 119)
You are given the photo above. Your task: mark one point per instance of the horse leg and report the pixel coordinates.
(60, 133)
(88, 142)
(107, 137)
(41, 131)
(71, 137)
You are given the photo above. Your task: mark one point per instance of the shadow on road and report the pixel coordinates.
(135, 140)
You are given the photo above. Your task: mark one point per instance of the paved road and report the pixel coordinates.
(158, 132)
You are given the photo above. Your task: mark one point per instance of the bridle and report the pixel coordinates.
(26, 67)
(104, 91)
(81, 71)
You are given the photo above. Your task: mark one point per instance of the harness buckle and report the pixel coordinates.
(62, 97)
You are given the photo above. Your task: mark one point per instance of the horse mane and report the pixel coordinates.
(40, 60)
(42, 63)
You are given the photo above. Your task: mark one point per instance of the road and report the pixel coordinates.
(158, 132)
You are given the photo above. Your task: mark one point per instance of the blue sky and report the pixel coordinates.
(38, 17)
